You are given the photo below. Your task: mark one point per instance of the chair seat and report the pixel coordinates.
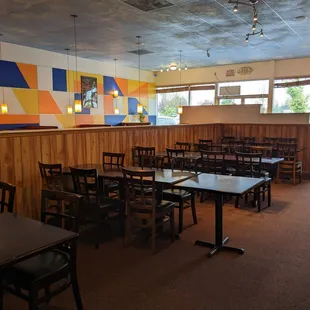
(37, 267)
(177, 192)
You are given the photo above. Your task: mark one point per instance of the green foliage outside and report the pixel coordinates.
(298, 101)
(169, 102)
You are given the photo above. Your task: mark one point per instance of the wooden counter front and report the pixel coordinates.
(20, 151)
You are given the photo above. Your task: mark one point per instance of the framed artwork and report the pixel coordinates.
(89, 92)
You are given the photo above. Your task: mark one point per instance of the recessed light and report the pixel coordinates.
(300, 18)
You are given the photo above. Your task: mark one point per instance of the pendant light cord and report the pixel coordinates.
(75, 46)
(180, 68)
(67, 50)
(1, 60)
(139, 64)
(114, 99)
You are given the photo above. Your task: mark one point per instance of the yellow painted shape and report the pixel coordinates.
(66, 121)
(30, 74)
(28, 99)
(133, 87)
(126, 119)
(152, 90)
(98, 119)
(125, 106)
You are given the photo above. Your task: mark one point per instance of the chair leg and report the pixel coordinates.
(74, 280)
(269, 194)
(33, 299)
(181, 216)
(172, 226)
(1, 293)
(153, 235)
(237, 202)
(193, 206)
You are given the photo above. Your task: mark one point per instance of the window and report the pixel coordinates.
(168, 100)
(262, 101)
(229, 101)
(202, 95)
(244, 88)
(291, 96)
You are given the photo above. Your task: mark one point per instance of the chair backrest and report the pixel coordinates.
(272, 140)
(249, 164)
(247, 139)
(227, 139)
(152, 161)
(288, 140)
(113, 160)
(186, 146)
(203, 141)
(7, 195)
(145, 150)
(213, 162)
(261, 144)
(86, 183)
(139, 200)
(215, 148)
(61, 209)
(266, 151)
(288, 151)
(51, 175)
(173, 154)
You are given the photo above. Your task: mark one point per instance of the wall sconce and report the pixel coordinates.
(78, 105)
(139, 108)
(4, 108)
(116, 111)
(115, 93)
(180, 109)
(69, 109)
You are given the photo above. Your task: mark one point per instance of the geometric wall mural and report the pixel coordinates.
(40, 95)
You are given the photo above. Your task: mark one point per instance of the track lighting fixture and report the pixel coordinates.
(208, 53)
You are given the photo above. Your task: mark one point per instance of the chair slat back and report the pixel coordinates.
(266, 151)
(113, 160)
(213, 162)
(176, 158)
(207, 141)
(152, 161)
(7, 195)
(186, 146)
(227, 139)
(288, 151)
(247, 140)
(140, 192)
(86, 183)
(51, 175)
(249, 164)
(61, 209)
(145, 150)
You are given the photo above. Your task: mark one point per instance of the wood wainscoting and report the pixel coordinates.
(20, 152)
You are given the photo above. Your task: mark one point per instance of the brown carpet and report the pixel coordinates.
(274, 272)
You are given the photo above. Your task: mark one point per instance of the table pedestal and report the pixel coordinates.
(219, 244)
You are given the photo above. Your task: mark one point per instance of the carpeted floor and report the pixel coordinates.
(274, 272)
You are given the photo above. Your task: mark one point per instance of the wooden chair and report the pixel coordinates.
(145, 150)
(267, 144)
(7, 195)
(142, 205)
(95, 207)
(250, 165)
(186, 146)
(203, 141)
(234, 146)
(183, 199)
(247, 140)
(215, 148)
(226, 139)
(112, 161)
(40, 273)
(152, 161)
(266, 151)
(291, 167)
(52, 177)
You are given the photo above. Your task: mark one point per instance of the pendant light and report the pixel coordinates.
(115, 92)
(139, 106)
(77, 102)
(69, 107)
(4, 106)
(180, 107)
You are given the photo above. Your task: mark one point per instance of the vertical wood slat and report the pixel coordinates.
(20, 151)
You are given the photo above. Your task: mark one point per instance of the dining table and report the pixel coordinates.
(22, 238)
(220, 185)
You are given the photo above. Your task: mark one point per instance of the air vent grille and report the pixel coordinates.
(148, 5)
(140, 52)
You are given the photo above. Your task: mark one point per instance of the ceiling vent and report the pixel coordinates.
(140, 52)
(148, 5)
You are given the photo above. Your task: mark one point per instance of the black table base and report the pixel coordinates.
(219, 244)
(220, 247)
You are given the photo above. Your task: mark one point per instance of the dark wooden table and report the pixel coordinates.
(22, 238)
(220, 185)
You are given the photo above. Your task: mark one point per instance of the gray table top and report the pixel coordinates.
(221, 183)
(165, 176)
(21, 238)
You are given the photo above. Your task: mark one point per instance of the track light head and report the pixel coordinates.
(208, 53)
(236, 8)
(254, 27)
(262, 33)
(246, 39)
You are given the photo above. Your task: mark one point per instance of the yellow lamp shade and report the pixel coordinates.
(69, 109)
(78, 105)
(4, 108)
(116, 111)
(180, 109)
(140, 108)
(115, 93)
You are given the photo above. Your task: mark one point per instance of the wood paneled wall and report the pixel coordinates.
(21, 151)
